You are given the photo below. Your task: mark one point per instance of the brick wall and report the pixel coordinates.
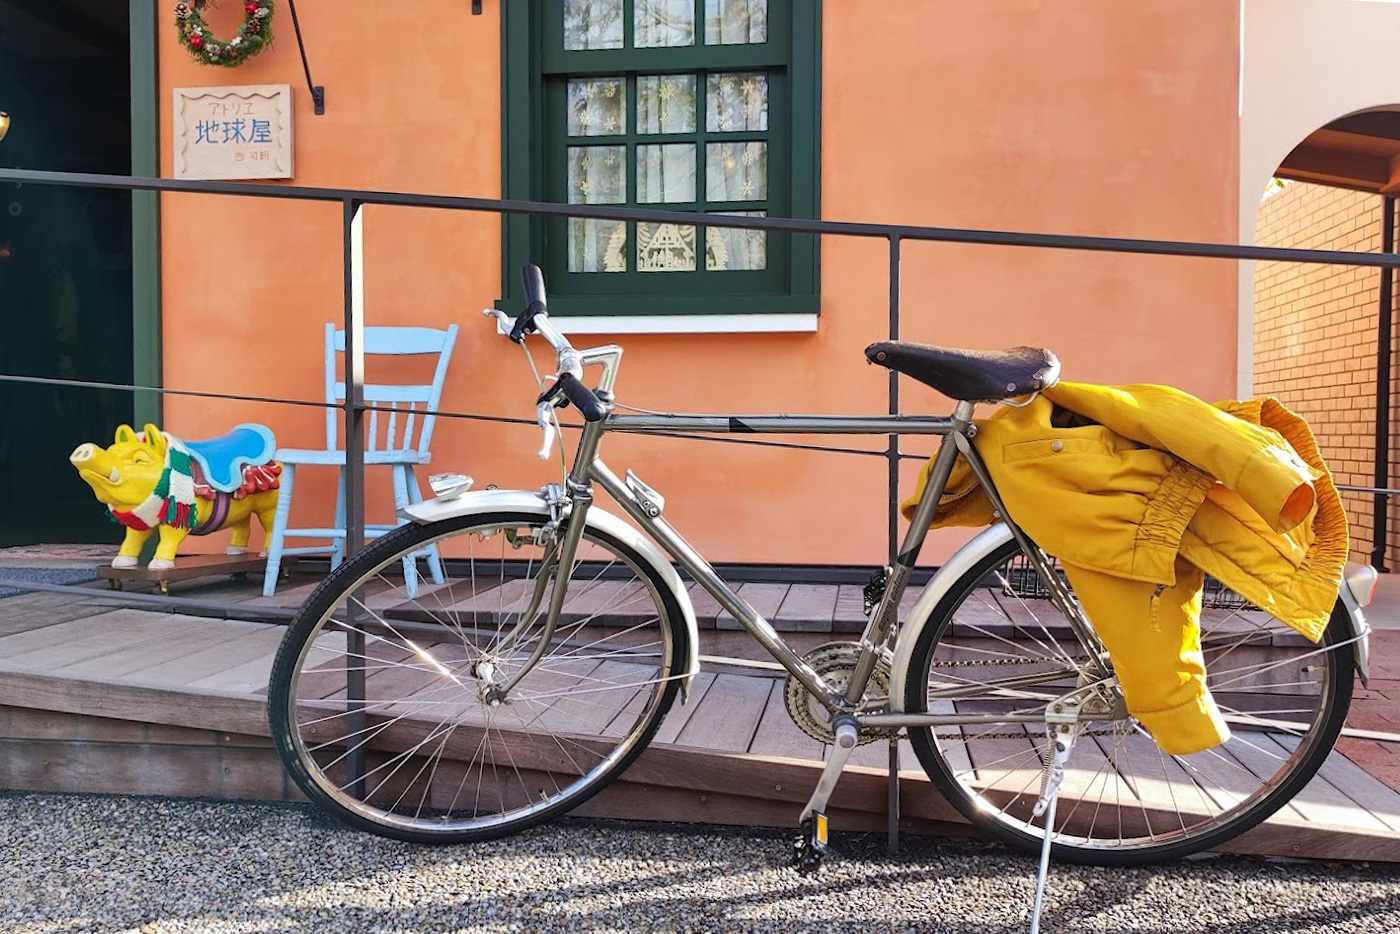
(1315, 338)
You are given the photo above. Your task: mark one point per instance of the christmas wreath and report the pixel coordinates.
(253, 35)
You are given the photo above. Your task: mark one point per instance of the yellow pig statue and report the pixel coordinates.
(152, 481)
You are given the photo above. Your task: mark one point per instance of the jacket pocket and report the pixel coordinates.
(1088, 460)
(1074, 441)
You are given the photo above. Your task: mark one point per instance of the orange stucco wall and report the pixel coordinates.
(1096, 118)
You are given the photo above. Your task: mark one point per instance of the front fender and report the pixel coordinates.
(527, 501)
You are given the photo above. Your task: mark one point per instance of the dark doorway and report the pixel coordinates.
(65, 259)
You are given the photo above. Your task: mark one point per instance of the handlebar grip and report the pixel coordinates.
(582, 397)
(535, 302)
(533, 279)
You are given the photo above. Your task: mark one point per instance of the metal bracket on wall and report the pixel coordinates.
(318, 92)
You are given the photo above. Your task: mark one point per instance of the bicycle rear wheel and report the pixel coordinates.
(1123, 800)
(389, 711)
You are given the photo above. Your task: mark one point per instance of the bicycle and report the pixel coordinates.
(546, 663)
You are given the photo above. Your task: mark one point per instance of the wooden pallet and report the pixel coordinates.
(188, 568)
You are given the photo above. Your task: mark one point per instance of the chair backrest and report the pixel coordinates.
(402, 419)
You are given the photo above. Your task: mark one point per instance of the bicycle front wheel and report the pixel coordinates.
(996, 646)
(454, 716)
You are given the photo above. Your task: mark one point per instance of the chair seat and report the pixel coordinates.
(337, 458)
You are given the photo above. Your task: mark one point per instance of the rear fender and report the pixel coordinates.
(1360, 629)
(936, 589)
(999, 534)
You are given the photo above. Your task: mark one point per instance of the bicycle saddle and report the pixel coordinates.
(970, 375)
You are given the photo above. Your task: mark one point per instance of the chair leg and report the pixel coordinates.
(399, 474)
(276, 537)
(415, 495)
(338, 543)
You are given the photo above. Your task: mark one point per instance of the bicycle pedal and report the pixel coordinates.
(810, 847)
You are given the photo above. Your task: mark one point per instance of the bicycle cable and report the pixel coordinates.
(553, 417)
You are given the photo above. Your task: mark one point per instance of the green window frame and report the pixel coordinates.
(547, 137)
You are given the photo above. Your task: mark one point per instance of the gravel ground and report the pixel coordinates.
(96, 863)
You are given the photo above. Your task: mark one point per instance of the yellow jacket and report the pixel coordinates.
(1123, 481)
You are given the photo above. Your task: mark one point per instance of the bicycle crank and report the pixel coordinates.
(835, 662)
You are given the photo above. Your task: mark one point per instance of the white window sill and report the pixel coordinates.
(682, 324)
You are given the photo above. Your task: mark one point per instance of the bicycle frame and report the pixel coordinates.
(645, 507)
(972, 634)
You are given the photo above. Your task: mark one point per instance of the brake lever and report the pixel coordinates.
(504, 321)
(544, 413)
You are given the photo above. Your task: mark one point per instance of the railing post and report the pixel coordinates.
(356, 613)
(892, 452)
(1384, 336)
(354, 376)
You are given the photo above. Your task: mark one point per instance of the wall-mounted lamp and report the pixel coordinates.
(4, 124)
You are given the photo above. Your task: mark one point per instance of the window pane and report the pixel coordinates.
(665, 248)
(597, 174)
(666, 104)
(728, 248)
(736, 171)
(664, 22)
(730, 22)
(597, 106)
(592, 24)
(666, 173)
(736, 101)
(597, 246)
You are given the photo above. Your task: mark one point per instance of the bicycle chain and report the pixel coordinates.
(835, 660)
(992, 662)
(987, 663)
(949, 737)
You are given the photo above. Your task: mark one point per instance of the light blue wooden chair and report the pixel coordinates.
(397, 435)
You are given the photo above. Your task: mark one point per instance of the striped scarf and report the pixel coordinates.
(172, 501)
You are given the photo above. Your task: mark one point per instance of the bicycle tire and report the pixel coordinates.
(1123, 801)
(441, 763)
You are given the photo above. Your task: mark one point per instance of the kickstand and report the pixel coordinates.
(1044, 862)
(893, 840)
(1062, 725)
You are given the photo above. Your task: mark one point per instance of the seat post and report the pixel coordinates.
(884, 618)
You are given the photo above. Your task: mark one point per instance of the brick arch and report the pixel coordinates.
(1314, 338)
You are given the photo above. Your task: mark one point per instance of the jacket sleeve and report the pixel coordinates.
(1254, 461)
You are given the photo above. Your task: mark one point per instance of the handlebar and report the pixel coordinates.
(535, 320)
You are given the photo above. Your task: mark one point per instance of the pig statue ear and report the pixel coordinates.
(124, 435)
(155, 439)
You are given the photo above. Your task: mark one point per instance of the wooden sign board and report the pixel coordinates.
(233, 133)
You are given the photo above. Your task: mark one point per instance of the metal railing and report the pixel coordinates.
(354, 201)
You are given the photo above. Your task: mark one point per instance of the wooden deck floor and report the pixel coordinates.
(148, 701)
